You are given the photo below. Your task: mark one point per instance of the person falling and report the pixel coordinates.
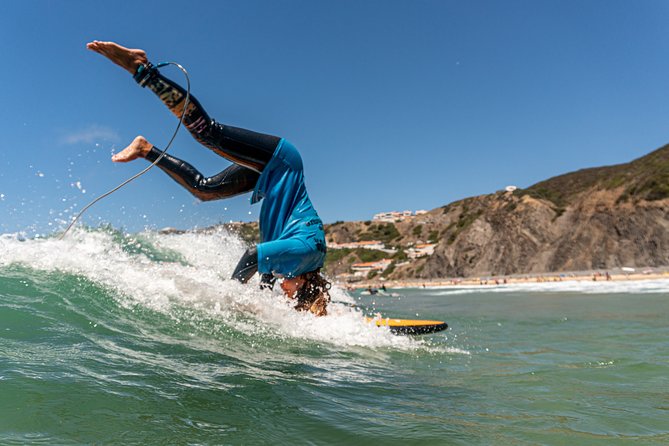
(292, 245)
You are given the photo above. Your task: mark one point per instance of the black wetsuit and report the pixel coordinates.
(249, 151)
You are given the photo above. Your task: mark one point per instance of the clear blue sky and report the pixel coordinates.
(393, 104)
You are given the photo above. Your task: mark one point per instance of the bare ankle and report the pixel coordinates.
(143, 145)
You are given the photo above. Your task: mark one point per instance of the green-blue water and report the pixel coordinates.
(109, 339)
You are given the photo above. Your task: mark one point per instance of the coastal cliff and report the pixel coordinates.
(595, 218)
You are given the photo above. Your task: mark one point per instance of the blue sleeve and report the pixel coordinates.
(288, 258)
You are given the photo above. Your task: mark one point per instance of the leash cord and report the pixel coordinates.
(162, 154)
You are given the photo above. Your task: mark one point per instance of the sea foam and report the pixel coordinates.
(168, 272)
(576, 286)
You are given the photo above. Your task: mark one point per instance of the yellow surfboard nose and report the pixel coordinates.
(409, 326)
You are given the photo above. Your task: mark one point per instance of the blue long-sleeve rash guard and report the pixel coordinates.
(291, 233)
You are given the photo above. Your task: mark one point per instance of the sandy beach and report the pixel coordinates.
(613, 275)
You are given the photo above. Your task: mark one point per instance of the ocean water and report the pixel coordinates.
(113, 338)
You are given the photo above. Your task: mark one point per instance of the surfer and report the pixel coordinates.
(292, 243)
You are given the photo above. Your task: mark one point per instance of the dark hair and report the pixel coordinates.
(315, 287)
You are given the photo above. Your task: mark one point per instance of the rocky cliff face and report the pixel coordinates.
(511, 235)
(591, 219)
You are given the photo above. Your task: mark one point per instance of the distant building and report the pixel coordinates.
(510, 188)
(370, 244)
(348, 278)
(394, 216)
(389, 217)
(421, 212)
(361, 269)
(422, 250)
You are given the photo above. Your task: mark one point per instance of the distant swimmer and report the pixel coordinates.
(292, 243)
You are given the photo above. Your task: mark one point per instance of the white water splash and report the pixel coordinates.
(202, 283)
(576, 286)
(78, 185)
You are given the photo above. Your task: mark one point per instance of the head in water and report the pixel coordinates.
(310, 290)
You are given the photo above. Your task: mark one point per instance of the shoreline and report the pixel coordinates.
(580, 276)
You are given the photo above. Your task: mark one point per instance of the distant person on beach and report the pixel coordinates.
(292, 239)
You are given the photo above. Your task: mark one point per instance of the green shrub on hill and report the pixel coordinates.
(335, 257)
(370, 255)
(464, 221)
(388, 271)
(400, 256)
(384, 232)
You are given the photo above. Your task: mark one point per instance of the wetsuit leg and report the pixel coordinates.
(247, 266)
(244, 147)
(232, 181)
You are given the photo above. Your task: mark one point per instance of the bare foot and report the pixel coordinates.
(139, 147)
(128, 59)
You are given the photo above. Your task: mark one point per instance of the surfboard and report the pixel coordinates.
(409, 326)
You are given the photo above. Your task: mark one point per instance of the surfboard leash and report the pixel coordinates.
(163, 152)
